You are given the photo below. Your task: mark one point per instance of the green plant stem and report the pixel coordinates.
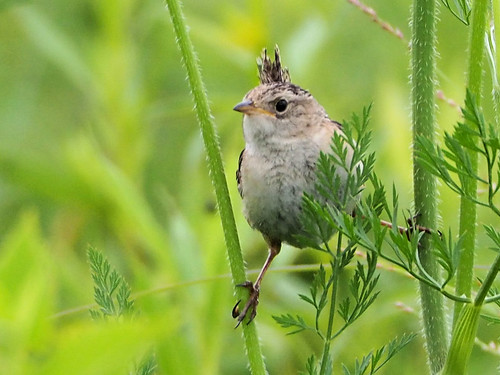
(218, 176)
(488, 282)
(462, 341)
(466, 317)
(464, 331)
(467, 207)
(496, 61)
(425, 190)
(333, 304)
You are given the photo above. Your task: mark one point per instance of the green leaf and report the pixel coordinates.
(311, 367)
(447, 253)
(494, 236)
(361, 287)
(432, 159)
(111, 291)
(373, 362)
(147, 366)
(289, 321)
(491, 319)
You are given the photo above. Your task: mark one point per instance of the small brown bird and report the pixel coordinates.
(285, 129)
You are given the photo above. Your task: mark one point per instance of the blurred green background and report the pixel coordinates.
(99, 146)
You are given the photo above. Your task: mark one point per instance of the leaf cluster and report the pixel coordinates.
(342, 176)
(349, 156)
(362, 295)
(111, 291)
(453, 165)
(400, 245)
(461, 9)
(147, 366)
(112, 295)
(362, 289)
(374, 361)
(312, 367)
(385, 238)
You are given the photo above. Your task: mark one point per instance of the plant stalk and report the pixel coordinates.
(488, 282)
(466, 317)
(333, 304)
(467, 207)
(462, 341)
(216, 170)
(425, 188)
(496, 61)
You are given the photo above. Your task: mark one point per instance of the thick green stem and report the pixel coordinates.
(496, 61)
(217, 174)
(464, 331)
(425, 190)
(462, 341)
(467, 207)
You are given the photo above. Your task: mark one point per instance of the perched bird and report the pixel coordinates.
(285, 129)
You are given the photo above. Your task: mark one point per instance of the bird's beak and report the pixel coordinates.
(248, 107)
(245, 106)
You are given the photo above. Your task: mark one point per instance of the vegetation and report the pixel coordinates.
(100, 149)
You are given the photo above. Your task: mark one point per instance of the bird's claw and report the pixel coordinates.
(251, 305)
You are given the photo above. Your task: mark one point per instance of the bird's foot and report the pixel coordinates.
(250, 306)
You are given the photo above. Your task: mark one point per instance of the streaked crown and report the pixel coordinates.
(272, 71)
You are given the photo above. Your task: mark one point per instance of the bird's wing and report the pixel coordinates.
(238, 173)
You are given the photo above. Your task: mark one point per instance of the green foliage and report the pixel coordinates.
(447, 254)
(112, 295)
(481, 139)
(147, 366)
(327, 214)
(99, 144)
(398, 245)
(25, 283)
(470, 139)
(313, 369)
(461, 9)
(111, 291)
(454, 160)
(362, 288)
(373, 362)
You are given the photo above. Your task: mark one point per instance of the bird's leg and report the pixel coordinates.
(254, 288)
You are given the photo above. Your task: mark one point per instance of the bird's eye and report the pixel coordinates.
(281, 105)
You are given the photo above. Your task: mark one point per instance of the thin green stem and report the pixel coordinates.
(217, 174)
(488, 282)
(491, 299)
(425, 188)
(467, 227)
(333, 305)
(496, 61)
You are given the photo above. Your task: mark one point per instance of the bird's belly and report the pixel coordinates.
(273, 196)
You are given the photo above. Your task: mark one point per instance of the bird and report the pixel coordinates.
(285, 129)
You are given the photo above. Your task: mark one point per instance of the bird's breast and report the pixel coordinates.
(273, 183)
